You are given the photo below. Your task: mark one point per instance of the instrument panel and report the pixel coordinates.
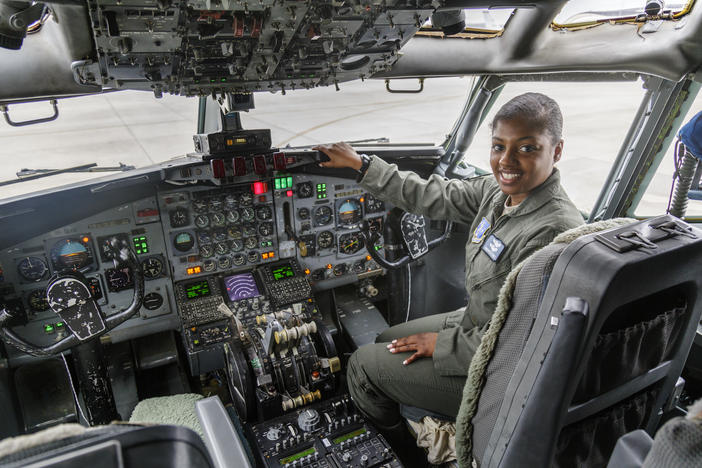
(192, 232)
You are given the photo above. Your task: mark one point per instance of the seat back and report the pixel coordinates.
(113, 446)
(604, 335)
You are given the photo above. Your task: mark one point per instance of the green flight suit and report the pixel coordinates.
(499, 241)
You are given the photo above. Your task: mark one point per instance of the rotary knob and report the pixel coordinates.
(274, 433)
(308, 420)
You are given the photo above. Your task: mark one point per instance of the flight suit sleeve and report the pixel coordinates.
(436, 197)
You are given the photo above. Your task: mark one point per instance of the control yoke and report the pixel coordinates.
(412, 228)
(70, 297)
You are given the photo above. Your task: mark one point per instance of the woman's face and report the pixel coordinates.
(522, 157)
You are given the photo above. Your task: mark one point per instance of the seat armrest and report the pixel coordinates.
(222, 440)
(631, 450)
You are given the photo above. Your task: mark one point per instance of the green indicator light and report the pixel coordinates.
(378, 247)
(277, 184)
(224, 80)
(324, 185)
(59, 324)
(290, 181)
(212, 80)
(48, 328)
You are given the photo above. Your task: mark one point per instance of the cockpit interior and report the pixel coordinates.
(223, 289)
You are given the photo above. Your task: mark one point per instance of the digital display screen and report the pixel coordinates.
(350, 435)
(197, 289)
(281, 272)
(240, 287)
(297, 456)
(237, 141)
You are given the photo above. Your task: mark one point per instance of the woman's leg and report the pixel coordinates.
(378, 380)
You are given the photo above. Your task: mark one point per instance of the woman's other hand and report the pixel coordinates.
(340, 155)
(422, 344)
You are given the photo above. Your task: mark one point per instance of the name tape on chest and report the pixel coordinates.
(493, 247)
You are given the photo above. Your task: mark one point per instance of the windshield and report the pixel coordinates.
(136, 129)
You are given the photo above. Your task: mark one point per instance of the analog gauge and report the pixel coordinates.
(264, 212)
(230, 201)
(237, 245)
(245, 199)
(232, 216)
(152, 301)
(266, 229)
(247, 214)
(234, 232)
(178, 217)
(325, 239)
(218, 219)
(219, 235)
(350, 243)
(239, 260)
(304, 190)
(209, 265)
(221, 248)
(349, 212)
(322, 215)
(215, 204)
(73, 254)
(32, 268)
(119, 279)
(252, 257)
(200, 206)
(206, 251)
(249, 230)
(224, 262)
(183, 241)
(251, 242)
(202, 221)
(303, 213)
(339, 269)
(203, 237)
(37, 300)
(152, 267)
(373, 205)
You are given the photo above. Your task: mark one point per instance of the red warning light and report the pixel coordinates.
(218, 168)
(289, 193)
(259, 187)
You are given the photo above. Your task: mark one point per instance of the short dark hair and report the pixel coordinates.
(536, 107)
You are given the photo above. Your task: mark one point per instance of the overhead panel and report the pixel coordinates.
(205, 47)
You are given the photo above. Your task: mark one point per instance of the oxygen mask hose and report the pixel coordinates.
(688, 152)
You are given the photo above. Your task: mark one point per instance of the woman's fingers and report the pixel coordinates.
(412, 358)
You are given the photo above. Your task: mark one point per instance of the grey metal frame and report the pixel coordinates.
(661, 111)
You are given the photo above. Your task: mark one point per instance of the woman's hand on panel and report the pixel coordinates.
(422, 344)
(340, 155)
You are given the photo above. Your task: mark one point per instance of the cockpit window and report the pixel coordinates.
(480, 20)
(657, 196)
(128, 127)
(134, 129)
(362, 111)
(584, 13)
(596, 118)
